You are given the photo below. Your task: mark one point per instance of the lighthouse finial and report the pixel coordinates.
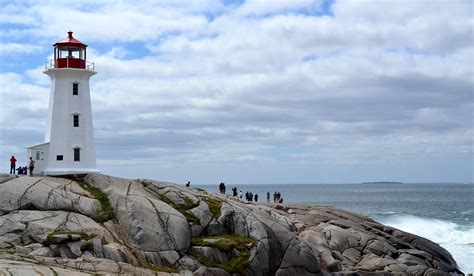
(69, 34)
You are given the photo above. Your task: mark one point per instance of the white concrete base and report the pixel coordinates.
(64, 171)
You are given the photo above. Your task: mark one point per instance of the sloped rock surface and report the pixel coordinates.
(47, 227)
(46, 194)
(155, 231)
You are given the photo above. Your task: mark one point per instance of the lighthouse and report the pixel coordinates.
(68, 146)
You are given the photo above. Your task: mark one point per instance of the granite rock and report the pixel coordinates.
(47, 227)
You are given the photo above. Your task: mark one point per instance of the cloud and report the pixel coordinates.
(120, 21)
(185, 86)
(9, 48)
(261, 7)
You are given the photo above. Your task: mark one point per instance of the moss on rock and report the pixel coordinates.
(226, 243)
(215, 206)
(107, 212)
(69, 234)
(182, 208)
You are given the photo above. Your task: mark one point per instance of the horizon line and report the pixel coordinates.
(336, 183)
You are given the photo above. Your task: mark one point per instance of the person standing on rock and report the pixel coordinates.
(222, 188)
(12, 164)
(268, 196)
(234, 191)
(255, 197)
(31, 166)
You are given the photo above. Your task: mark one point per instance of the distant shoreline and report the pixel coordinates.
(383, 182)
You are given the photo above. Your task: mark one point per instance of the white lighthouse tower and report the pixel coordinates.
(69, 146)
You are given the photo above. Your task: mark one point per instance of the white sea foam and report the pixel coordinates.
(457, 239)
(468, 212)
(389, 213)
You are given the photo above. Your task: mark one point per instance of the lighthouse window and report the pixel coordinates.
(75, 89)
(77, 154)
(76, 121)
(59, 158)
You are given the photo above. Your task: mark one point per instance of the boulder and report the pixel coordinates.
(76, 247)
(298, 255)
(203, 213)
(372, 262)
(351, 255)
(45, 252)
(114, 252)
(149, 223)
(188, 263)
(96, 246)
(410, 260)
(48, 193)
(319, 246)
(22, 250)
(36, 226)
(396, 268)
(380, 248)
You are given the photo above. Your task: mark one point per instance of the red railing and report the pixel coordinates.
(69, 63)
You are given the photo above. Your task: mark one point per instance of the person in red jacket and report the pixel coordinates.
(12, 164)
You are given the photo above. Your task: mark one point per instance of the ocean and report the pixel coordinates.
(441, 212)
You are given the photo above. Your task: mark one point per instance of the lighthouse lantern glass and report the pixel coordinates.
(69, 52)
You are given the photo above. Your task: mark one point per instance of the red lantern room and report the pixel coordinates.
(70, 53)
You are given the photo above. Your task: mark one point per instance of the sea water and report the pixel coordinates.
(440, 212)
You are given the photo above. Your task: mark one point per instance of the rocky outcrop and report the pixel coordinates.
(102, 224)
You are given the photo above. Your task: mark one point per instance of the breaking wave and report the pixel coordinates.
(457, 239)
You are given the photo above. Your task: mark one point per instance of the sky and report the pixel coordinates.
(209, 91)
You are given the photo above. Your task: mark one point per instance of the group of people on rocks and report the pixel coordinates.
(277, 198)
(250, 196)
(21, 170)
